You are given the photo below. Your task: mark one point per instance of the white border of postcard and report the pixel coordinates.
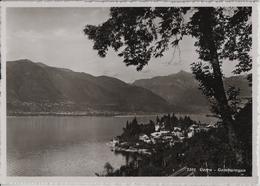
(127, 180)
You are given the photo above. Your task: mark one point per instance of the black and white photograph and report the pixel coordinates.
(129, 91)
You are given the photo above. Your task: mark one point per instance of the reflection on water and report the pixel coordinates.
(63, 146)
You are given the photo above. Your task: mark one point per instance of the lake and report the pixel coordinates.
(65, 146)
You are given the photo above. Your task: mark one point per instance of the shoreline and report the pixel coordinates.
(82, 114)
(116, 114)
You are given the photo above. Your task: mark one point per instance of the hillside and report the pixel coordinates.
(36, 88)
(182, 89)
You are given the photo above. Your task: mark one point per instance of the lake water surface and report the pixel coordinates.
(65, 146)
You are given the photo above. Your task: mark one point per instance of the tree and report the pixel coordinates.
(108, 168)
(138, 34)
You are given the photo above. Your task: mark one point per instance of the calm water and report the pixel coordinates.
(64, 146)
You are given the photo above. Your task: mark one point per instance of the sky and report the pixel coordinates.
(54, 36)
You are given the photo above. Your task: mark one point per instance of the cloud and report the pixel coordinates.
(28, 35)
(60, 33)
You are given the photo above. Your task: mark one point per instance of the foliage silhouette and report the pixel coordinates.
(138, 34)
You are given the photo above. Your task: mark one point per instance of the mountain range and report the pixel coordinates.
(35, 87)
(38, 88)
(183, 89)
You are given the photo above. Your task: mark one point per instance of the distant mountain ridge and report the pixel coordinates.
(183, 89)
(38, 88)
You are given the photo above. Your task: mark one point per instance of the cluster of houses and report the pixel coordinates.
(170, 137)
(160, 135)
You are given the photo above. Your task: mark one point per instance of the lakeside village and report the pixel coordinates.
(179, 146)
(170, 146)
(167, 131)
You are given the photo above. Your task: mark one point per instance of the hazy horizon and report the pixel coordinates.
(54, 36)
